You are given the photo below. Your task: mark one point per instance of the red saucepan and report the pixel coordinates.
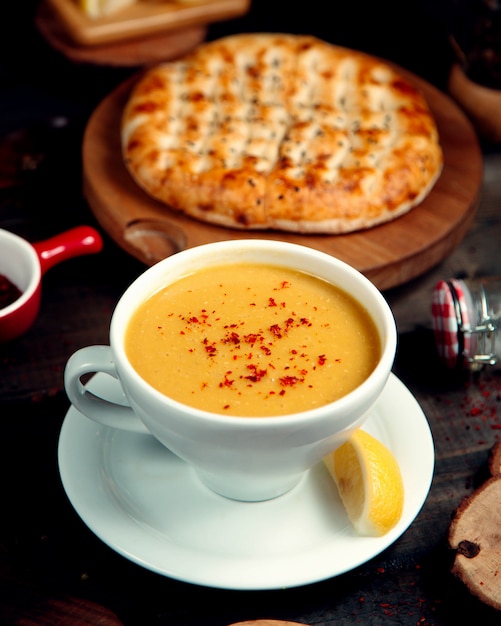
(23, 264)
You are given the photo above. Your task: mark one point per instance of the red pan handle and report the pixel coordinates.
(66, 245)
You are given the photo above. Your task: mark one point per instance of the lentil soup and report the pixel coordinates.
(252, 340)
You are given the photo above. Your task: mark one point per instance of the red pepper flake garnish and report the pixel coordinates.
(271, 302)
(226, 381)
(276, 331)
(266, 350)
(289, 322)
(290, 381)
(257, 374)
(251, 338)
(232, 338)
(209, 348)
(322, 359)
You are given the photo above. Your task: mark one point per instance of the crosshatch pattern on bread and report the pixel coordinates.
(285, 132)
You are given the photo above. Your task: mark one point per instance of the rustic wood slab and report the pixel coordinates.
(144, 18)
(135, 52)
(389, 255)
(474, 536)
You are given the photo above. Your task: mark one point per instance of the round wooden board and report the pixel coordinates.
(389, 255)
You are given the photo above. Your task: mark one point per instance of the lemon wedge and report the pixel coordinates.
(99, 8)
(369, 482)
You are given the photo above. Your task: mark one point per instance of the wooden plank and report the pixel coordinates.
(142, 18)
(148, 50)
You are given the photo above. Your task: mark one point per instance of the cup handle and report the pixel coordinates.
(91, 360)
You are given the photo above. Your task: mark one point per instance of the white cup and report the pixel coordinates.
(243, 458)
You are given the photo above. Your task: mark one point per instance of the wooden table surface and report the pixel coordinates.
(53, 569)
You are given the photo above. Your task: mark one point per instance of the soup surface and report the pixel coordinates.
(252, 340)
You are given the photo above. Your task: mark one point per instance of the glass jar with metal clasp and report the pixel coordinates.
(467, 322)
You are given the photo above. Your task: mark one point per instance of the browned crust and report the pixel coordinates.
(275, 131)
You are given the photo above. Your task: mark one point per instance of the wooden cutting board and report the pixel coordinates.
(135, 52)
(141, 19)
(389, 255)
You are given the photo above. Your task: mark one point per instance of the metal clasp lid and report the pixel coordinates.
(484, 329)
(465, 328)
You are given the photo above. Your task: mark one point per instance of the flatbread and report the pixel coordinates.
(278, 131)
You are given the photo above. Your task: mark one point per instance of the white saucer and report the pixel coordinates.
(146, 504)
